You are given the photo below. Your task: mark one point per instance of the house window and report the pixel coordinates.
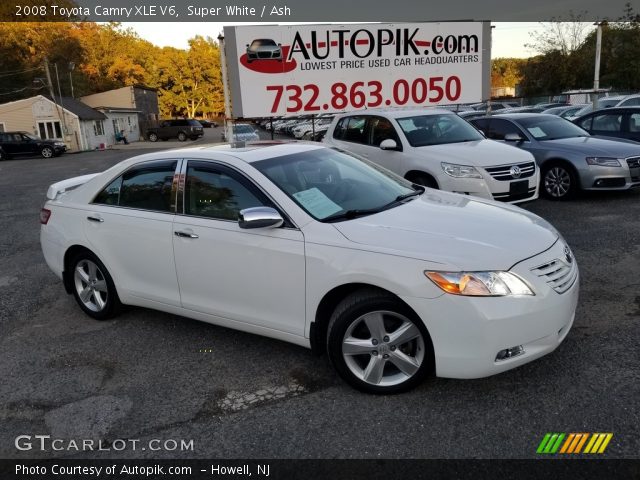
(50, 130)
(2, 127)
(116, 125)
(98, 127)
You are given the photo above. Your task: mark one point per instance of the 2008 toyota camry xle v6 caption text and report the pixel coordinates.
(310, 245)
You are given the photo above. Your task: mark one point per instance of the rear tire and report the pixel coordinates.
(93, 287)
(153, 137)
(377, 344)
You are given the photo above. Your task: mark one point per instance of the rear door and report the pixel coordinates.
(251, 276)
(129, 225)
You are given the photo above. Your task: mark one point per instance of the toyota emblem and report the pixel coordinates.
(567, 254)
(515, 171)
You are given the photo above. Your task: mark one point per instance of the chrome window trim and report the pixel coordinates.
(172, 208)
(219, 163)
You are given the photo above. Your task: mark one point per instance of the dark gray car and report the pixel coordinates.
(178, 128)
(569, 158)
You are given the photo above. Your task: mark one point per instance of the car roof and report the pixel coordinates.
(612, 110)
(248, 153)
(520, 116)
(399, 112)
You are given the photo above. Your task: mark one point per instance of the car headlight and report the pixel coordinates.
(460, 171)
(603, 161)
(480, 284)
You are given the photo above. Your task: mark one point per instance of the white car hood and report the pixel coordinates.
(454, 230)
(479, 153)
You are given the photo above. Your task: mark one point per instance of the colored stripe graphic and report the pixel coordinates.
(573, 443)
(550, 443)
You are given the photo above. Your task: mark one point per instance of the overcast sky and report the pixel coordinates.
(509, 39)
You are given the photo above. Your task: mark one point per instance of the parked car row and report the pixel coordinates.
(299, 128)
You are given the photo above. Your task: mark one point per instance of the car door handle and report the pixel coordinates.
(95, 219)
(185, 234)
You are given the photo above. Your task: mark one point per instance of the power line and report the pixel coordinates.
(17, 72)
(22, 90)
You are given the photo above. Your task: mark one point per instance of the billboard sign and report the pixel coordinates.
(313, 69)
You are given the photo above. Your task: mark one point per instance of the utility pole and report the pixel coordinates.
(596, 74)
(64, 123)
(49, 83)
(227, 104)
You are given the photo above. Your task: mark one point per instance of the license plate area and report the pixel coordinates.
(519, 188)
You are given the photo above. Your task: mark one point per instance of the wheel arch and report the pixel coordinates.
(559, 160)
(329, 302)
(411, 175)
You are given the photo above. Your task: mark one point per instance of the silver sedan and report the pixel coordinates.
(570, 158)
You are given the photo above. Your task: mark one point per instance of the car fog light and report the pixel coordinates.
(509, 353)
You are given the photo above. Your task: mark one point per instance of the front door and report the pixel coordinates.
(252, 276)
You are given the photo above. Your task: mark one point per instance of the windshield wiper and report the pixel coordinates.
(350, 214)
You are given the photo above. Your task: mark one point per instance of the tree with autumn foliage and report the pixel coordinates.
(106, 57)
(190, 82)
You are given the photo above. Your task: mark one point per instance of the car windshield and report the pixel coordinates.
(331, 185)
(263, 43)
(423, 130)
(243, 129)
(551, 128)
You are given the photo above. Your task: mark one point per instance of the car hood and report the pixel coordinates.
(454, 230)
(594, 146)
(478, 153)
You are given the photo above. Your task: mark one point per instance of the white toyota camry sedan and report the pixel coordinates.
(310, 245)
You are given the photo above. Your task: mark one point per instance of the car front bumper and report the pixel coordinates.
(489, 188)
(609, 178)
(469, 332)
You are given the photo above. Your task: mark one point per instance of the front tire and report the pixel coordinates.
(182, 136)
(559, 182)
(377, 344)
(46, 152)
(93, 287)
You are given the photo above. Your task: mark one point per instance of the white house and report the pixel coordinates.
(69, 120)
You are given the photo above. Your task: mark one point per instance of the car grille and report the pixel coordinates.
(559, 274)
(503, 172)
(264, 54)
(507, 197)
(634, 168)
(633, 162)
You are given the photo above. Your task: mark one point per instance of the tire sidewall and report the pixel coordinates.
(113, 302)
(339, 325)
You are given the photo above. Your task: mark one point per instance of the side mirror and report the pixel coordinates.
(388, 144)
(260, 217)
(512, 137)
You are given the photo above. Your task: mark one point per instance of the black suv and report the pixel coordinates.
(180, 129)
(23, 143)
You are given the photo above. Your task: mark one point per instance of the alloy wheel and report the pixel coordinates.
(91, 285)
(383, 348)
(557, 182)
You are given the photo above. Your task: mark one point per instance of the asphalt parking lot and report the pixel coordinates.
(150, 375)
